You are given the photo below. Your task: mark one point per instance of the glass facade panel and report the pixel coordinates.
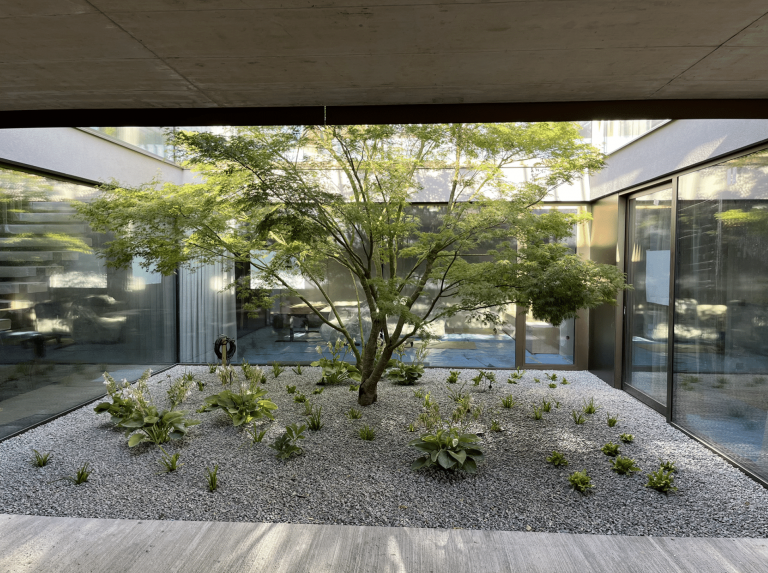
(546, 343)
(64, 316)
(721, 311)
(647, 319)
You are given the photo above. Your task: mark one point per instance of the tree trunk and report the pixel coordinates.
(367, 394)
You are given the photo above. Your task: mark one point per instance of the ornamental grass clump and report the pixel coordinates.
(590, 407)
(449, 450)
(367, 433)
(578, 418)
(314, 421)
(226, 374)
(40, 460)
(242, 407)
(277, 369)
(508, 401)
(453, 376)
(178, 391)
(169, 463)
(354, 414)
(212, 478)
(612, 420)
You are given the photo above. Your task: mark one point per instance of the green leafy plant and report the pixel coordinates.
(485, 375)
(722, 382)
(453, 376)
(256, 435)
(299, 397)
(553, 385)
(286, 444)
(334, 369)
(495, 426)
(412, 427)
(511, 380)
(178, 391)
(157, 427)
(242, 407)
(564, 382)
(419, 394)
(508, 401)
(169, 463)
(277, 369)
(546, 406)
(515, 376)
(40, 460)
(354, 387)
(557, 459)
(578, 417)
(307, 408)
(668, 466)
(662, 481)
(314, 421)
(612, 420)
(610, 449)
(552, 376)
(537, 381)
(580, 481)
(537, 415)
(226, 374)
(458, 394)
(82, 475)
(431, 418)
(448, 449)
(200, 385)
(590, 407)
(290, 389)
(297, 370)
(212, 478)
(557, 404)
(318, 391)
(477, 412)
(211, 368)
(367, 433)
(627, 438)
(428, 401)
(354, 414)
(622, 465)
(405, 374)
(253, 374)
(125, 397)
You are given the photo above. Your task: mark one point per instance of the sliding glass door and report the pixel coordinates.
(646, 321)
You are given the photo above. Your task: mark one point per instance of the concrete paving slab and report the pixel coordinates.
(53, 544)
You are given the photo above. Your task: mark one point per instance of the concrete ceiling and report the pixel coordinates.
(129, 54)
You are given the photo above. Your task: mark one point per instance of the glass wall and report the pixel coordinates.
(64, 316)
(721, 308)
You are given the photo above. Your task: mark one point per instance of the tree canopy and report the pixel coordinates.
(288, 202)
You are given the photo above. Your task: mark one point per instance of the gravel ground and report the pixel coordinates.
(342, 479)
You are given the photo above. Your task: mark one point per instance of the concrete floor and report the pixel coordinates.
(52, 544)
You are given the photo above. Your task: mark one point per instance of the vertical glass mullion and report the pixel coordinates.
(672, 299)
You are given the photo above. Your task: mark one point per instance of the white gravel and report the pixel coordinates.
(343, 480)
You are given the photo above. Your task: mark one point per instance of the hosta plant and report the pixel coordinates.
(662, 481)
(622, 465)
(242, 407)
(226, 374)
(448, 449)
(126, 397)
(405, 374)
(178, 391)
(557, 459)
(335, 370)
(157, 427)
(580, 481)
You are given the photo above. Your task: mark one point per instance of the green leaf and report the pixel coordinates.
(136, 439)
(445, 460)
(421, 462)
(459, 456)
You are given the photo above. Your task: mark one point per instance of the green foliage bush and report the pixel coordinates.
(453, 376)
(581, 482)
(286, 445)
(622, 465)
(627, 438)
(557, 459)
(335, 370)
(610, 449)
(662, 481)
(242, 407)
(448, 449)
(612, 420)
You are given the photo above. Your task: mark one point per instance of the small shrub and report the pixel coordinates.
(610, 449)
(552, 376)
(537, 413)
(212, 478)
(286, 444)
(354, 387)
(495, 426)
(315, 422)
(40, 460)
(624, 466)
(578, 417)
(211, 368)
(290, 389)
(157, 427)
(449, 450)
(354, 414)
(242, 407)
(546, 406)
(557, 459)
(662, 481)
(318, 390)
(580, 481)
(668, 466)
(277, 369)
(627, 438)
(297, 370)
(590, 407)
(169, 463)
(612, 420)
(367, 433)
(553, 385)
(508, 401)
(299, 397)
(453, 377)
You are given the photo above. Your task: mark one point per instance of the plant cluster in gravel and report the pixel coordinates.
(342, 479)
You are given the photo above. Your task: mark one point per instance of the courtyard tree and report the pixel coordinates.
(292, 202)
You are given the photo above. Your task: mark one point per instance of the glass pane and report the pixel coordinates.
(721, 314)
(64, 316)
(650, 218)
